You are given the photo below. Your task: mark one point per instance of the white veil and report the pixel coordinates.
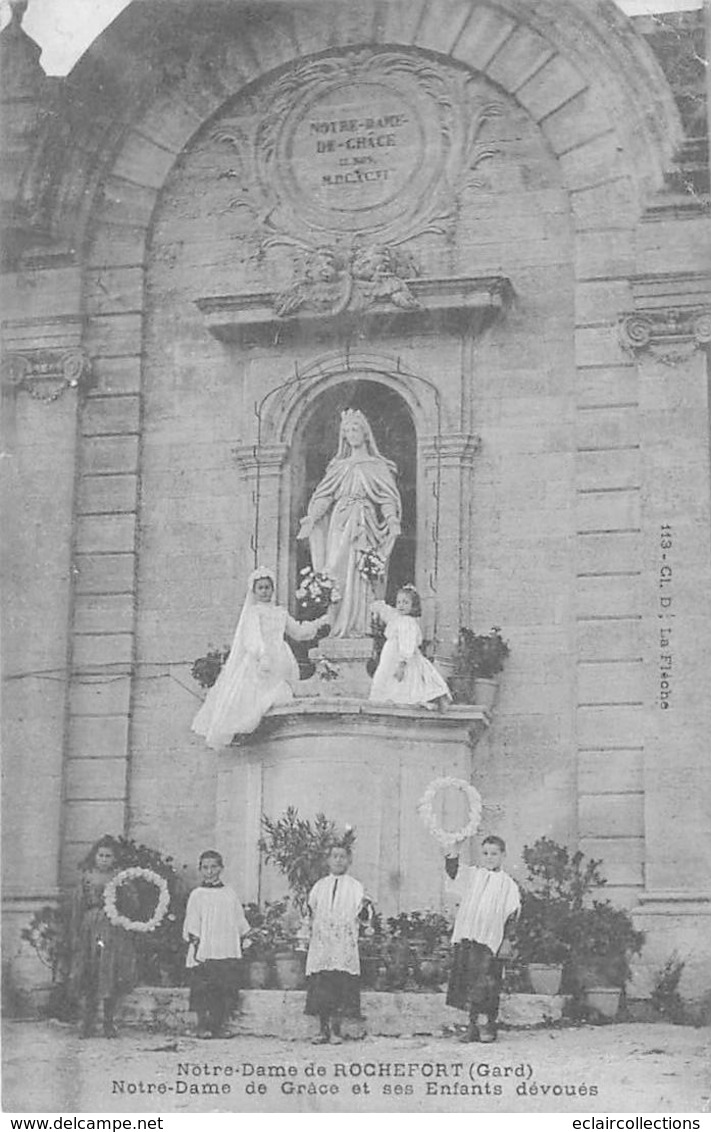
(237, 648)
(217, 701)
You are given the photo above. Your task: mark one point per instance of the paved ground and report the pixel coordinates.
(625, 1068)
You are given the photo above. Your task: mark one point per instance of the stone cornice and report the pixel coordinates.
(464, 302)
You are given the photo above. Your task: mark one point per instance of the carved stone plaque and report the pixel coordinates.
(354, 148)
(363, 145)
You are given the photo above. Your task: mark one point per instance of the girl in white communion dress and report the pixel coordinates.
(404, 675)
(261, 669)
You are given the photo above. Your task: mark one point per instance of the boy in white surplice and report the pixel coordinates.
(214, 926)
(337, 904)
(489, 905)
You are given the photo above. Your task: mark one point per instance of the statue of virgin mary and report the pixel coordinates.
(356, 507)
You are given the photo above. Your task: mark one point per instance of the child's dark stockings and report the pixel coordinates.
(110, 1030)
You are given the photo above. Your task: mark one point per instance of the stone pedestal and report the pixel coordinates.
(340, 669)
(361, 764)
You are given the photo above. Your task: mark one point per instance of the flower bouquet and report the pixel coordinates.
(317, 591)
(207, 668)
(371, 565)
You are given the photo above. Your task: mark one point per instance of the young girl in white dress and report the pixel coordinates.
(261, 669)
(404, 675)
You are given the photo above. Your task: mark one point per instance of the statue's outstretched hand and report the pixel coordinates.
(307, 525)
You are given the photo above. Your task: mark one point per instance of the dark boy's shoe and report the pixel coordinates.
(488, 1033)
(321, 1040)
(471, 1034)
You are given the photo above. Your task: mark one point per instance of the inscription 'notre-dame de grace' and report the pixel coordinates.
(353, 143)
(357, 154)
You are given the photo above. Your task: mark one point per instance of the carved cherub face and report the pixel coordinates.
(369, 262)
(324, 267)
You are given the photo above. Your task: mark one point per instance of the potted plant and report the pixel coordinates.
(289, 947)
(265, 931)
(371, 943)
(603, 939)
(434, 956)
(541, 941)
(562, 923)
(416, 949)
(479, 660)
(48, 933)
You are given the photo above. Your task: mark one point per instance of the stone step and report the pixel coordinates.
(277, 1013)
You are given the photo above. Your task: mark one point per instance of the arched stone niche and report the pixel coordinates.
(440, 465)
(316, 442)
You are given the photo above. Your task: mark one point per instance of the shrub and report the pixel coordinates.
(299, 849)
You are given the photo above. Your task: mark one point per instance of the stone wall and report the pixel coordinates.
(568, 444)
(511, 386)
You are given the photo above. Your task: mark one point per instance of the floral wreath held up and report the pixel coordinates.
(446, 839)
(111, 890)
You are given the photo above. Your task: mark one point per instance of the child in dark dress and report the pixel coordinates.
(489, 905)
(103, 954)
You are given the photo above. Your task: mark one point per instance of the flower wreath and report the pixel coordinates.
(123, 921)
(448, 840)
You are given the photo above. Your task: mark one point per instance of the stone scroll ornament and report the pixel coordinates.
(669, 334)
(425, 807)
(344, 160)
(125, 876)
(45, 374)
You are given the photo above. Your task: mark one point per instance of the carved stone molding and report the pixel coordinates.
(452, 449)
(45, 374)
(670, 334)
(463, 302)
(356, 142)
(268, 458)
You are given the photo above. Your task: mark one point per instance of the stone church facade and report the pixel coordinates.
(476, 222)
